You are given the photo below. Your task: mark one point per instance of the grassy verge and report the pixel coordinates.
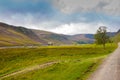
(76, 62)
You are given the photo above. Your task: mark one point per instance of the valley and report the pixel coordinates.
(59, 39)
(26, 55)
(20, 36)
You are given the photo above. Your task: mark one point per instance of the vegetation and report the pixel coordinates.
(84, 42)
(75, 62)
(101, 36)
(13, 38)
(117, 38)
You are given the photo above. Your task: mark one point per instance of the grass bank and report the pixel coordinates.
(76, 62)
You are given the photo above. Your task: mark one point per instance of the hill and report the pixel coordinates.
(82, 38)
(87, 38)
(118, 31)
(14, 36)
(65, 39)
(117, 37)
(52, 37)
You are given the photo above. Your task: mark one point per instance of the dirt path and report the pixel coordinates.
(30, 69)
(110, 69)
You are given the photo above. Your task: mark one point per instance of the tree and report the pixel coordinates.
(101, 36)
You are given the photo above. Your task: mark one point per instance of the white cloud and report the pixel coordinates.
(30, 21)
(104, 6)
(77, 28)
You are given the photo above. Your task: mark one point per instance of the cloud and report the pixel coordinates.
(101, 6)
(35, 21)
(77, 28)
(79, 18)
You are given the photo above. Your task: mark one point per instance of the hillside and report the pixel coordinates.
(82, 38)
(117, 37)
(14, 36)
(118, 31)
(86, 38)
(65, 39)
(52, 37)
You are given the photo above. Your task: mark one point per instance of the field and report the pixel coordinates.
(74, 62)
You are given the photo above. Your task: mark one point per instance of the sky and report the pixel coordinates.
(62, 16)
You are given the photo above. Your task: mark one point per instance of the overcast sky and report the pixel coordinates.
(62, 16)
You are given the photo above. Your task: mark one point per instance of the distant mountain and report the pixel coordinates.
(87, 38)
(16, 35)
(13, 36)
(64, 39)
(52, 37)
(111, 34)
(118, 31)
(117, 36)
(82, 38)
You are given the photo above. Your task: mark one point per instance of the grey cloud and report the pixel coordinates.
(28, 0)
(34, 21)
(103, 6)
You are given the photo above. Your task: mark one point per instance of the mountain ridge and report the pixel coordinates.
(16, 35)
(117, 36)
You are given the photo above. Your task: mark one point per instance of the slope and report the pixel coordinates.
(55, 38)
(82, 38)
(117, 37)
(14, 36)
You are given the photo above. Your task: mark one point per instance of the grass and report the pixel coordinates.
(13, 38)
(76, 62)
(117, 38)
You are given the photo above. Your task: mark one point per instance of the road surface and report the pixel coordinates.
(110, 69)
